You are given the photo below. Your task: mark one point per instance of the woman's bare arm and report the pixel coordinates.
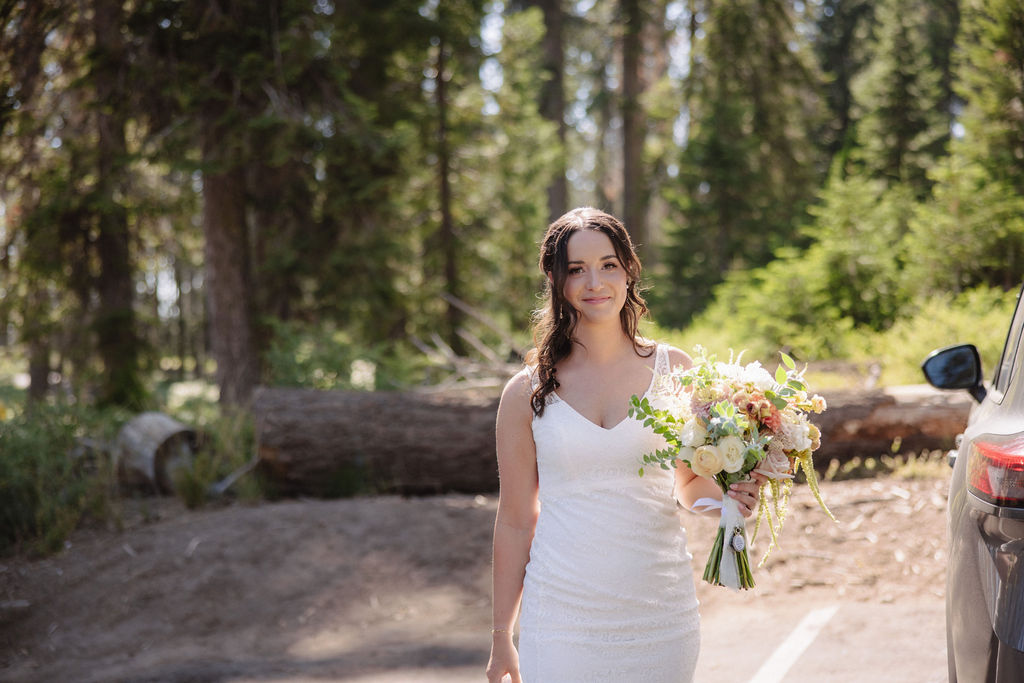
(514, 524)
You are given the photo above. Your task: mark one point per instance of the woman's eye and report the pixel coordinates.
(575, 270)
(611, 265)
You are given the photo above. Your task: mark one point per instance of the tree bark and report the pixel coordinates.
(117, 340)
(333, 443)
(228, 277)
(552, 99)
(181, 338)
(449, 246)
(633, 128)
(38, 368)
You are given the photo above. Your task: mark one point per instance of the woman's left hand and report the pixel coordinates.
(747, 493)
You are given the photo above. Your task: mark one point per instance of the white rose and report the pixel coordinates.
(706, 462)
(686, 453)
(732, 449)
(754, 374)
(693, 433)
(801, 437)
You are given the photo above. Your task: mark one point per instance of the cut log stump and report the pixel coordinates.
(150, 448)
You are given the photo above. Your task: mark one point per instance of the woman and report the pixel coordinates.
(592, 552)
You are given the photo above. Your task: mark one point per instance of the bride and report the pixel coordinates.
(589, 555)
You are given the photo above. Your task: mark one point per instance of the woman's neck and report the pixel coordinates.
(601, 344)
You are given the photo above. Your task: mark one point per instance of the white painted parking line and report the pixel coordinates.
(776, 666)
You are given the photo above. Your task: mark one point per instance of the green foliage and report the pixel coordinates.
(227, 443)
(991, 81)
(323, 357)
(842, 47)
(923, 465)
(903, 111)
(970, 233)
(980, 316)
(50, 480)
(750, 167)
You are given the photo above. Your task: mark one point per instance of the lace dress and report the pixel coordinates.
(608, 593)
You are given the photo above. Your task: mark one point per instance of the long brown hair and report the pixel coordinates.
(555, 321)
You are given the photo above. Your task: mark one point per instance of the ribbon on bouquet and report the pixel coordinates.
(732, 524)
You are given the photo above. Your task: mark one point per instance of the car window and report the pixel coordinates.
(1008, 363)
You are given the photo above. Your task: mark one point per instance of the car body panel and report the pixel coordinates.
(985, 575)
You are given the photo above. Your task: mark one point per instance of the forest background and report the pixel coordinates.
(202, 196)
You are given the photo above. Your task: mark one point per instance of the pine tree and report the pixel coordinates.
(749, 167)
(972, 231)
(991, 80)
(902, 114)
(840, 44)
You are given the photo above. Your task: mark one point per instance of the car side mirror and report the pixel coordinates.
(955, 367)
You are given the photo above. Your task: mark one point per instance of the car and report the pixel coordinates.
(985, 572)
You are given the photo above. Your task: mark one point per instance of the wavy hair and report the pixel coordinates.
(556, 319)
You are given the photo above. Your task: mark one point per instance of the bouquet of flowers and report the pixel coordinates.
(726, 420)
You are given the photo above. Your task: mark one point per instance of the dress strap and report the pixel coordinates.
(532, 375)
(661, 366)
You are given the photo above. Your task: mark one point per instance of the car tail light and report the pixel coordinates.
(995, 469)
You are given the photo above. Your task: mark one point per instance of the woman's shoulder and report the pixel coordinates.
(674, 356)
(523, 378)
(677, 357)
(519, 388)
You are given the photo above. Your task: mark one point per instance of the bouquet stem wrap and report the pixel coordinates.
(726, 565)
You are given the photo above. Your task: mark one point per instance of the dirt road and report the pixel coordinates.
(389, 590)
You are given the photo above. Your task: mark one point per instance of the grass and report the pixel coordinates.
(924, 465)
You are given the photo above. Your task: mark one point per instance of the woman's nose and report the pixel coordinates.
(593, 279)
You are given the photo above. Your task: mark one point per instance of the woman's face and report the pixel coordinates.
(596, 282)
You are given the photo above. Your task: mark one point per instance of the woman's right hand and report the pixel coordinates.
(504, 660)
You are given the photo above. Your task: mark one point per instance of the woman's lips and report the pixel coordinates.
(597, 300)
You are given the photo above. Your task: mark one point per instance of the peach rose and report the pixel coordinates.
(707, 461)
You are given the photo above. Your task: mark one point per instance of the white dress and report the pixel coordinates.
(608, 593)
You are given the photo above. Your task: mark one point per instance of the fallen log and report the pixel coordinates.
(905, 419)
(335, 443)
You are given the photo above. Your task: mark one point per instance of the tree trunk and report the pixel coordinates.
(228, 279)
(449, 246)
(633, 128)
(117, 340)
(552, 99)
(38, 368)
(181, 338)
(5, 276)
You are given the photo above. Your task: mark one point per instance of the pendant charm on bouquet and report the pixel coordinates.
(738, 541)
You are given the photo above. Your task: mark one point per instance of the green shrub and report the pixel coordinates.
(49, 482)
(980, 316)
(226, 444)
